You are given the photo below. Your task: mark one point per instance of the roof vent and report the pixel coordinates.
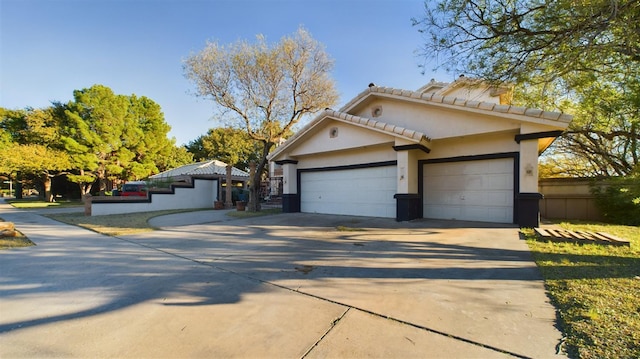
(333, 132)
(372, 84)
(376, 111)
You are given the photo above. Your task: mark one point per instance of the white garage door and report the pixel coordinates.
(469, 190)
(358, 192)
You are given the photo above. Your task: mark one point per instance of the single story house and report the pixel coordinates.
(197, 185)
(447, 151)
(212, 169)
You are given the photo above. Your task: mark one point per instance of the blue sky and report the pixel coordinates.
(48, 48)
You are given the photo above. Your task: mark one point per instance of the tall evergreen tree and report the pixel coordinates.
(113, 137)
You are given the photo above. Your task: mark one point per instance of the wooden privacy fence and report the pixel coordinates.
(568, 198)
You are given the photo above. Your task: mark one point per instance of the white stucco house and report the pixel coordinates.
(196, 185)
(446, 151)
(212, 169)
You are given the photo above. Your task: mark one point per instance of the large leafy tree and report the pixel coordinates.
(31, 146)
(604, 138)
(266, 88)
(92, 127)
(227, 144)
(113, 137)
(176, 157)
(147, 139)
(582, 56)
(42, 162)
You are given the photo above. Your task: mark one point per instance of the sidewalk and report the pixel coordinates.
(282, 286)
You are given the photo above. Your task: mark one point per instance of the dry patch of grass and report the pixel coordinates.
(114, 224)
(349, 229)
(596, 290)
(247, 214)
(15, 242)
(131, 223)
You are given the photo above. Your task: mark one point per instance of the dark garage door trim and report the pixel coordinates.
(295, 206)
(492, 156)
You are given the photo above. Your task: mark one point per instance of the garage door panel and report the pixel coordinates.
(498, 182)
(443, 211)
(471, 190)
(361, 192)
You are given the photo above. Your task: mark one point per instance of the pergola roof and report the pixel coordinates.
(208, 168)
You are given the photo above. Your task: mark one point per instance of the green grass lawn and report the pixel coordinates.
(596, 290)
(37, 203)
(113, 224)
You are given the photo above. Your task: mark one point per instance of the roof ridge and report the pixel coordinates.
(197, 168)
(362, 121)
(386, 127)
(462, 102)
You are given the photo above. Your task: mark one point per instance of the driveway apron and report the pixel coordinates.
(281, 286)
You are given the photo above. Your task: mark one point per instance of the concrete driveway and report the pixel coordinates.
(281, 286)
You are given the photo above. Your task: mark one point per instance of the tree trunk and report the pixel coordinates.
(103, 185)
(228, 200)
(85, 188)
(46, 185)
(18, 188)
(256, 179)
(102, 179)
(254, 189)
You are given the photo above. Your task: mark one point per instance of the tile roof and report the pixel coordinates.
(213, 167)
(434, 98)
(378, 126)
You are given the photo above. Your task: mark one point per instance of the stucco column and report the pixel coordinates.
(407, 197)
(528, 198)
(407, 171)
(529, 166)
(290, 196)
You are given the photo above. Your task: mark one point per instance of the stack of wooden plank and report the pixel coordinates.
(563, 235)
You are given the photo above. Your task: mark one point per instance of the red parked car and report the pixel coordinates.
(136, 188)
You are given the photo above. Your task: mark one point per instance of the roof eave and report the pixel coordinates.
(362, 122)
(526, 114)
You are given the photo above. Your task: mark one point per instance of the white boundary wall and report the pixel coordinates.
(203, 194)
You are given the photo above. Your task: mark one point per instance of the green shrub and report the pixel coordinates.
(159, 183)
(619, 200)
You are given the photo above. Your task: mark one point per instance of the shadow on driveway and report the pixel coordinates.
(471, 281)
